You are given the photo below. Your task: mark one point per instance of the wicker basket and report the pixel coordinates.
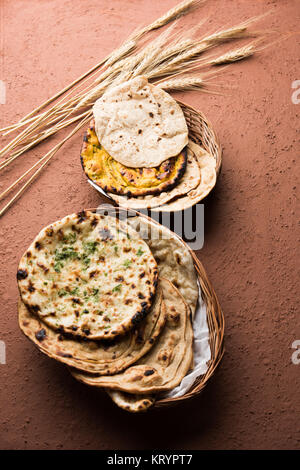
(216, 325)
(200, 131)
(215, 318)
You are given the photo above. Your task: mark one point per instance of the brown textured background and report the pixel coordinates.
(250, 236)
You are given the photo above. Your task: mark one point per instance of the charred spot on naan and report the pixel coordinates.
(113, 177)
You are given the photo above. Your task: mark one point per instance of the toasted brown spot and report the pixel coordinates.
(35, 308)
(31, 287)
(61, 354)
(22, 274)
(93, 274)
(148, 372)
(81, 216)
(175, 317)
(49, 232)
(94, 222)
(43, 267)
(41, 334)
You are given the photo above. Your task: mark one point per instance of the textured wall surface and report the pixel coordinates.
(250, 235)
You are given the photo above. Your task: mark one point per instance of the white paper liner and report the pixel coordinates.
(202, 352)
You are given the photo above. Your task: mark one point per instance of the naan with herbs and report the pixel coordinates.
(89, 275)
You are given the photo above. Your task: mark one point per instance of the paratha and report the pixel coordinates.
(131, 402)
(165, 365)
(89, 275)
(101, 168)
(189, 181)
(173, 258)
(101, 357)
(139, 124)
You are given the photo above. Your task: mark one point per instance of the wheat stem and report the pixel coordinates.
(45, 160)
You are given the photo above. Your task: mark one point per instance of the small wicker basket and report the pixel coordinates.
(215, 318)
(200, 131)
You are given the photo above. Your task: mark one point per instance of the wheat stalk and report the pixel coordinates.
(164, 64)
(46, 158)
(235, 55)
(172, 14)
(42, 136)
(182, 84)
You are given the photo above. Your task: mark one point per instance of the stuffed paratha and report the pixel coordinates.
(189, 181)
(113, 177)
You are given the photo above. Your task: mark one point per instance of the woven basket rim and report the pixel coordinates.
(218, 158)
(215, 316)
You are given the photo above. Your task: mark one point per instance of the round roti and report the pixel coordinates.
(114, 177)
(139, 124)
(101, 357)
(88, 274)
(208, 178)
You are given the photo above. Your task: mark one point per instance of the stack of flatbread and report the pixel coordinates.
(137, 149)
(113, 300)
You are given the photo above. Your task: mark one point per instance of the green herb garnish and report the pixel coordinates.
(70, 238)
(90, 247)
(86, 260)
(57, 266)
(67, 252)
(140, 252)
(75, 291)
(127, 263)
(117, 288)
(62, 292)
